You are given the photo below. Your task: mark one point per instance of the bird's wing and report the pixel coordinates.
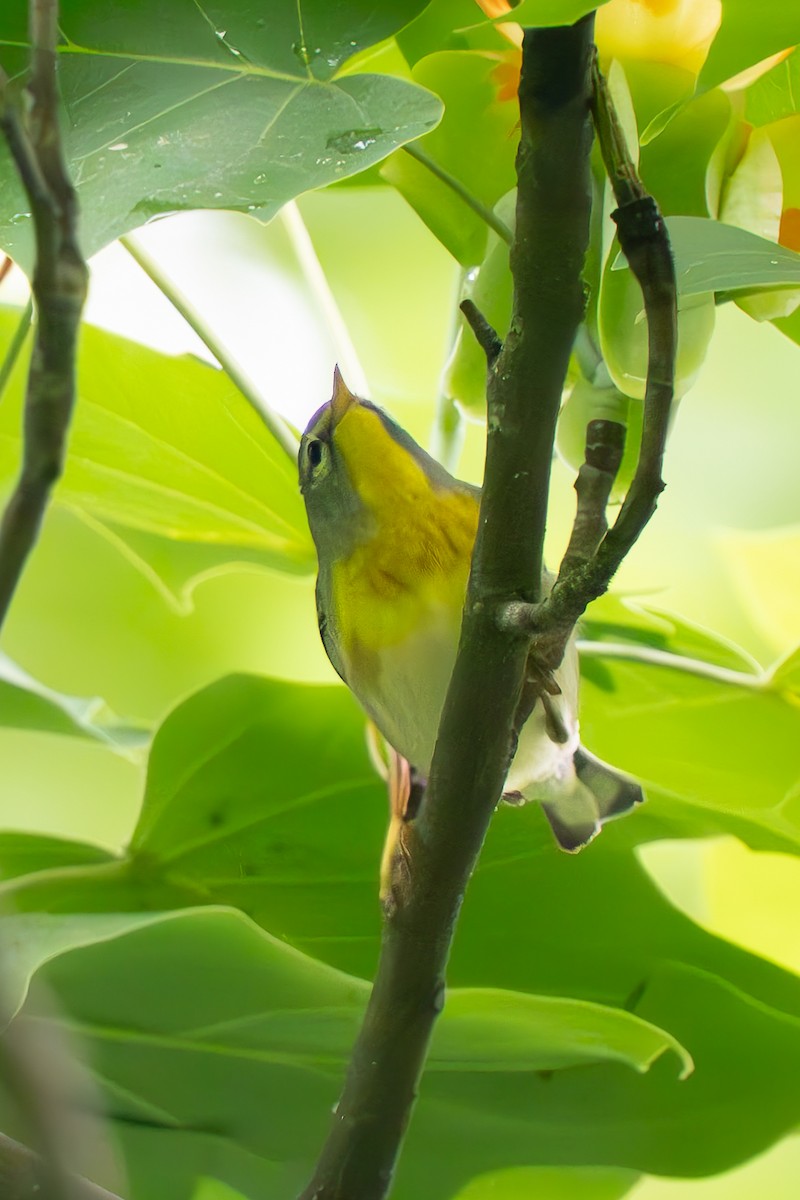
(327, 629)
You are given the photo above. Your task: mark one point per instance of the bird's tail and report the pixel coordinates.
(579, 804)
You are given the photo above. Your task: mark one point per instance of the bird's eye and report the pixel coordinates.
(314, 452)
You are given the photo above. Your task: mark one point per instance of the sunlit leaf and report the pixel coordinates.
(27, 703)
(749, 33)
(259, 1059)
(776, 94)
(169, 446)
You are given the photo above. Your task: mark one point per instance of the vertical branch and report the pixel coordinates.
(59, 289)
(476, 731)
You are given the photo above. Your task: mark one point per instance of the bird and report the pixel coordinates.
(394, 532)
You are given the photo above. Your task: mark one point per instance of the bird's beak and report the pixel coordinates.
(342, 397)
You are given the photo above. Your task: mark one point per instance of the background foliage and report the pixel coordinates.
(190, 886)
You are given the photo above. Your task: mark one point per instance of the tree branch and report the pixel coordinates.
(645, 243)
(22, 1175)
(59, 289)
(476, 731)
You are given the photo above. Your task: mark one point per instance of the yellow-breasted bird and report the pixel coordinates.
(394, 534)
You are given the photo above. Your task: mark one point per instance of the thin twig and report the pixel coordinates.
(476, 731)
(457, 187)
(485, 334)
(605, 443)
(59, 290)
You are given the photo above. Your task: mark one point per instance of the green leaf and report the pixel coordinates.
(549, 12)
(551, 1183)
(30, 940)
(208, 1023)
(623, 619)
(223, 106)
(26, 853)
(690, 138)
(720, 744)
(474, 143)
(712, 257)
(26, 703)
(449, 25)
(775, 95)
(511, 1031)
(213, 1189)
(169, 446)
(748, 34)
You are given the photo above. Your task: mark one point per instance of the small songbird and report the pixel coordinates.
(394, 533)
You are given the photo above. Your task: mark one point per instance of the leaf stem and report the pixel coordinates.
(652, 657)
(15, 346)
(317, 281)
(278, 427)
(470, 199)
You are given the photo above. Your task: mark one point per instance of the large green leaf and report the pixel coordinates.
(748, 34)
(260, 794)
(169, 446)
(223, 105)
(201, 1021)
(27, 703)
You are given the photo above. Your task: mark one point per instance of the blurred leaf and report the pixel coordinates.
(623, 331)
(720, 746)
(30, 940)
(219, 107)
(776, 94)
(258, 1059)
(174, 568)
(712, 257)
(690, 139)
(548, 12)
(765, 570)
(213, 1189)
(25, 853)
(26, 703)
(619, 618)
(551, 1183)
(169, 446)
(748, 34)
(449, 25)
(752, 199)
(464, 376)
(475, 143)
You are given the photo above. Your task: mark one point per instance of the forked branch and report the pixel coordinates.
(59, 289)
